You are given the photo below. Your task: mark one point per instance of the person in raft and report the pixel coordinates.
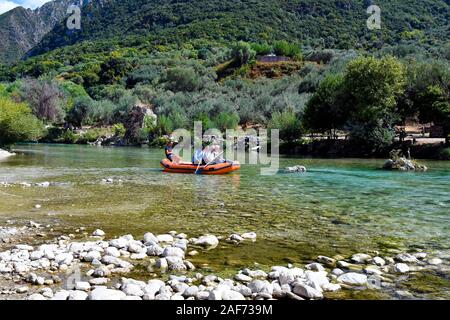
(168, 150)
(212, 155)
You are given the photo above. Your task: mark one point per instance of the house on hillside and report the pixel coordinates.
(272, 58)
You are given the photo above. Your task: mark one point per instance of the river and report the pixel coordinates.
(340, 206)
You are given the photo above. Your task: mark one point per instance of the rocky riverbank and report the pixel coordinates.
(96, 268)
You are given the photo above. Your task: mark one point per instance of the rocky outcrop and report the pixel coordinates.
(136, 120)
(403, 164)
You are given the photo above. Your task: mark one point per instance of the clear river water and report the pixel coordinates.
(340, 206)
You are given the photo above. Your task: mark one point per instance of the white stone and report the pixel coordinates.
(249, 235)
(61, 295)
(98, 281)
(435, 261)
(64, 258)
(401, 268)
(91, 255)
(135, 247)
(173, 252)
(98, 233)
(164, 238)
(190, 292)
(154, 250)
(306, 291)
(331, 287)
(406, 258)
(132, 289)
(361, 258)
(112, 251)
(315, 267)
(24, 247)
(77, 295)
(106, 294)
(119, 243)
(83, 286)
(242, 277)
(209, 241)
(316, 279)
(150, 238)
(260, 286)
(353, 279)
(379, 261)
(337, 272)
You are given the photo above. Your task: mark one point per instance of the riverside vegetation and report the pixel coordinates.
(363, 85)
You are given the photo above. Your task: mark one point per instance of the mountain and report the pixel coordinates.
(21, 29)
(316, 23)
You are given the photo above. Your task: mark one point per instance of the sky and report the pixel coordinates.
(6, 5)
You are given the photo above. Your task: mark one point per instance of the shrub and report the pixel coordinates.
(17, 123)
(182, 79)
(68, 137)
(225, 121)
(287, 123)
(444, 154)
(118, 129)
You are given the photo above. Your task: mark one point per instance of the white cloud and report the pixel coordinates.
(6, 6)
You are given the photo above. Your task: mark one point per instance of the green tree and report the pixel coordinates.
(326, 111)
(17, 123)
(372, 87)
(243, 53)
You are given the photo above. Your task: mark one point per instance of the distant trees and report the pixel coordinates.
(326, 110)
(363, 100)
(17, 123)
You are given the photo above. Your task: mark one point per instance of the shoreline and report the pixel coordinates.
(284, 154)
(88, 265)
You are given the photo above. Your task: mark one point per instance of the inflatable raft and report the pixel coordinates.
(220, 168)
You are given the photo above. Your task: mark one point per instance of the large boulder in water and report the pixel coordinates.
(403, 164)
(135, 121)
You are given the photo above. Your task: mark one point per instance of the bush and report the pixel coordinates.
(287, 123)
(225, 121)
(17, 123)
(118, 129)
(283, 48)
(182, 79)
(68, 137)
(444, 154)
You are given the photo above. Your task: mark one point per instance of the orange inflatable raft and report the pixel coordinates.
(220, 168)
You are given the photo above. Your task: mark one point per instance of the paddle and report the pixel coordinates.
(209, 162)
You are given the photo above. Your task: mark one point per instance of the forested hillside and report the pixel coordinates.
(198, 61)
(315, 23)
